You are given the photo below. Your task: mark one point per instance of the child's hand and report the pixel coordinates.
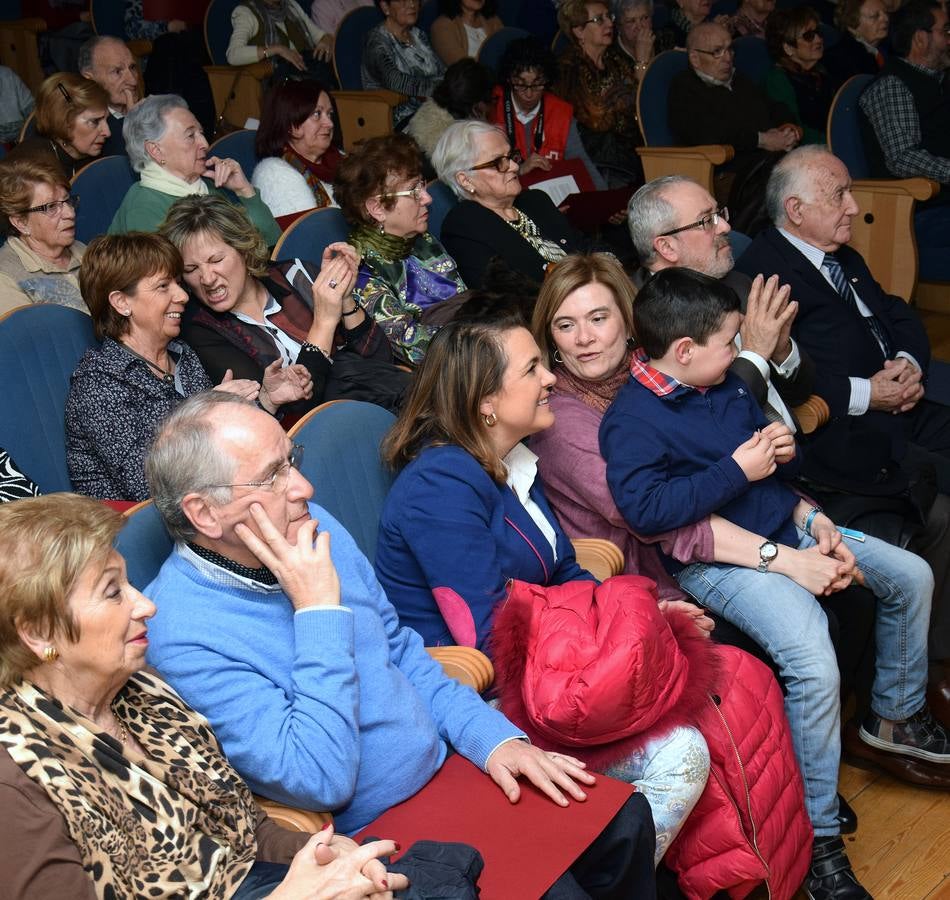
(783, 441)
(756, 457)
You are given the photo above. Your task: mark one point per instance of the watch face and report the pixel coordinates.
(768, 551)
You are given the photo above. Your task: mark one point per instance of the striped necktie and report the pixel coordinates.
(840, 281)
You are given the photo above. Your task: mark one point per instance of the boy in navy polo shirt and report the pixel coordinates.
(684, 439)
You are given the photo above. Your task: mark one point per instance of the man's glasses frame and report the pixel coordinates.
(704, 223)
(294, 461)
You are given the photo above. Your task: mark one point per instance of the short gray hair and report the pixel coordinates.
(146, 122)
(650, 214)
(621, 6)
(457, 150)
(185, 458)
(791, 178)
(88, 51)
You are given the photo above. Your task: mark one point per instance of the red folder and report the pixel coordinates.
(526, 846)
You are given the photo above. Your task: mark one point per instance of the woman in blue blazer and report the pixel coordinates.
(467, 512)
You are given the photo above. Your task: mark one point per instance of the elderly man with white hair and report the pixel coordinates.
(109, 62)
(871, 352)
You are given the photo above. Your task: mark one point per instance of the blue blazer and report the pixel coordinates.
(450, 539)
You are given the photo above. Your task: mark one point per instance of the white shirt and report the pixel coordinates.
(522, 466)
(860, 399)
(787, 368)
(287, 347)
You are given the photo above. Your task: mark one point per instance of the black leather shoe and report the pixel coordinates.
(830, 876)
(847, 817)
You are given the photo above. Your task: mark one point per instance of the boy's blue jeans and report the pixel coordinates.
(790, 625)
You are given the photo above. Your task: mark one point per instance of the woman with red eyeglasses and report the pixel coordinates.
(798, 79)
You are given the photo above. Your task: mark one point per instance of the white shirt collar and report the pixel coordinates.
(525, 117)
(522, 466)
(815, 256)
(702, 76)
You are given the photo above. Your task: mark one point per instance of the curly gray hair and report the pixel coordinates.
(146, 122)
(457, 150)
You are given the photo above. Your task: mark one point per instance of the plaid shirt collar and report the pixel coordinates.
(658, 382)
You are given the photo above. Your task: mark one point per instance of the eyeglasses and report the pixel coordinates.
(527, 87)
(704, 223)
(416, 192)
(810, 35)
(55, 207)
(500, 163)
(600, 18)
(716, 52)
(278, 481)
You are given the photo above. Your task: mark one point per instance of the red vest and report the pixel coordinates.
(558, 114)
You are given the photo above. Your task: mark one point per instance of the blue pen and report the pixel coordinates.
(851, 533)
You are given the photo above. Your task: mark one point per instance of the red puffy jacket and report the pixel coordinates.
(596, 670)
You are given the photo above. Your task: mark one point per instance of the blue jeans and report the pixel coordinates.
(787, 621)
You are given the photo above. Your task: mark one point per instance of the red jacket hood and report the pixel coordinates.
(596, 670)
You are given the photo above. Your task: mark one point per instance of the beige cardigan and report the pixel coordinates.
(450, 40)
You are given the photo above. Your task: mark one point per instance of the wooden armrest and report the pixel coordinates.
(812, 414)
(260, 70)
(600, 557)
(32, 24)
(919, 188)
(390, 98)
(465, 664)
(294, 819)
(717, 154)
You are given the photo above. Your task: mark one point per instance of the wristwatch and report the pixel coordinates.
(767, 553)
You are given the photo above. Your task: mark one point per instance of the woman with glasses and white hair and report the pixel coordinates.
(495, 218)
(405, 276)
(39, 263)
(168, 149)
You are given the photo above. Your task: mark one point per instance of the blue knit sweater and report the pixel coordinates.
(669, 461)
(450, 538)
(336, 708)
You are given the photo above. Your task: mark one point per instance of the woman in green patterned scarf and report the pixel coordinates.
(404, 271)
(111, 786)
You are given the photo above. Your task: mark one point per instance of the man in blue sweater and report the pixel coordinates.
(684, 439)
(319, 697)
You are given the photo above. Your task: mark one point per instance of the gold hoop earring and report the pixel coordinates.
(557, 356)
(491, 419)
(50, 654)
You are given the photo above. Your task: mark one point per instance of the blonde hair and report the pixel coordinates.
(567, 276)
(48, 543)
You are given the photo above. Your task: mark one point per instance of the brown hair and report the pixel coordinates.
(567, 276)
(848, 14)
(48, 542)
(55, 114)
(213, 215)
(572, 14)
(18, 179)
(118, 262)
(363, 173)
(465, 363)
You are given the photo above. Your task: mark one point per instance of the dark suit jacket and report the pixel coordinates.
(841, 345)
(794, 390)
(115, 143)
(473, 234)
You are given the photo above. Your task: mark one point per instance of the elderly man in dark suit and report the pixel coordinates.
(869, 347)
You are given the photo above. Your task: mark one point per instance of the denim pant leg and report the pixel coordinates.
(790, 625)
(670, 770)
(903, 585)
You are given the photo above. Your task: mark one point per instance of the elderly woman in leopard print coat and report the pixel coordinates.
(110, 785)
